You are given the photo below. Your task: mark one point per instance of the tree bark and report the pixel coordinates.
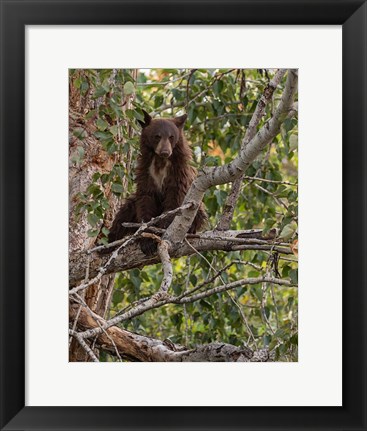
(94, 159)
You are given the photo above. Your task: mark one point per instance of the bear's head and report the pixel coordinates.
(162, 134)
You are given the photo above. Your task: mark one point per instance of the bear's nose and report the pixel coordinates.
(165, 154)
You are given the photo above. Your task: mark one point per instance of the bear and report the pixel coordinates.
(163, 177)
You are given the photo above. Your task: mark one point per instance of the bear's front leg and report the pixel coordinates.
(173, 199)
(146, 209)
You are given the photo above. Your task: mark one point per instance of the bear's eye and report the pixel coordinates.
(157, 137)
(171, 138)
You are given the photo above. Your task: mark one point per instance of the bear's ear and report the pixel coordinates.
(146, 121)
(180, 121)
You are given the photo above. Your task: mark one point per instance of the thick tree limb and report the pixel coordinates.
(134, 347)
(131, 255)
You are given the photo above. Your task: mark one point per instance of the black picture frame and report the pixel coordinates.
(15, 15)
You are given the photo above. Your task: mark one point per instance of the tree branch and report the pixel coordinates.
(85, 346)
(155, 301)
(233, 170)
(130, 256)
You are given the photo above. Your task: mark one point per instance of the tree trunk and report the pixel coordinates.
(87, 157)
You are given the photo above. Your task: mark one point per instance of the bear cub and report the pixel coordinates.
(163, 176)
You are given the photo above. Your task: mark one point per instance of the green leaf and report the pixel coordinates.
(92, 232)
(80, 133)
(158, 101)
(177, 94)
(116, 109)
(92, 219)
(139, 116)
(119, 170)
(258, 292)
(104, 178)
(99, 92)
(130, 114)
(221, 196)
(78, 155)
(293, 142)
(117, 297)
(129, 88)
(114, 130)
(101, 124)
(288, 231)
(285, 271)
(293, 274)
(110, 146)
(281, 333)
(117, 188)
(103, 136)
(192, 113)
(206, 304)
(135, 278)
(78, 82)
(94, 190)
(193, 279)
(289, 123)
(103, 241)
(96, 176)
(218, 87)
(177, 319)
(294, 339)
(84, 87)
(105, 231)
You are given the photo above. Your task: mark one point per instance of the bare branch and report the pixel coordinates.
(85, 346)
(264, 180)
(166, 265)
(233, 285)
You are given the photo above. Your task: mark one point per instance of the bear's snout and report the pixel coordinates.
(164, 148)
(165, 154)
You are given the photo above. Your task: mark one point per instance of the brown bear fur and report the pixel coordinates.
(163, 176)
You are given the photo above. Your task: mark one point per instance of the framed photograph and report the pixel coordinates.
(183, 218)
